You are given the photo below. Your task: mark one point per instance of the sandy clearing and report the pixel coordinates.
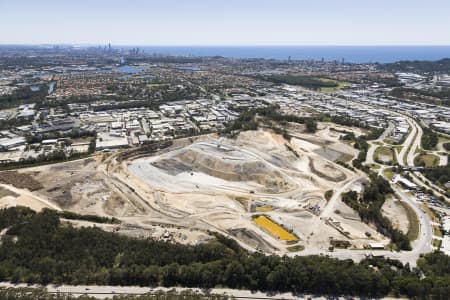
(304, 145)
(187, 191)
(209, 183)
(27, 198)
(396, 214)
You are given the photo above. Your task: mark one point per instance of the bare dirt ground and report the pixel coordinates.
(221, 182)
(208, 183)
(11, 196)
(396, 214)
(80, 186)
(20, 180)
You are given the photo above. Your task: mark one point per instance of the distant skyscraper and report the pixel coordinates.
(109, 47)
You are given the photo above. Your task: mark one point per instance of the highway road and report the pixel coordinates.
(423, 243)
(408, 145)
(411, 144)
(102, 292)
(414, 145)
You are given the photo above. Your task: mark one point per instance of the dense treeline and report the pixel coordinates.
(12, 123)
(422, 66)
(91, 218)
(361, 144)
(302, 80)
(341, 120)
(387, 81)
(272, 114)
(368, 206)
(23, 96)
(247, 119)
(43, 59)
(440, 97)
(37, 248)
(429, 139)
(446, 146)
(441, 94)
(439, 175)
(73, 134)
(153, 105)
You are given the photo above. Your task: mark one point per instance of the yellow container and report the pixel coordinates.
(274, 229)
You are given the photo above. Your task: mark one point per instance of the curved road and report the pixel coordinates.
(423, 243)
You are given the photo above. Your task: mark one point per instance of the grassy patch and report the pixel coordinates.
(443, 139)
(437, 231)
(429, 212)
(296, 248)
(414, 227)
(340, 85)
(328, 194)
(388, 173)
(388, 141)
(5, 192)
(375, 166)
(437, 243)
(384, 152)
(426, 160)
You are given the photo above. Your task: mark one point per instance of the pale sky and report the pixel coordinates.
(226, 22)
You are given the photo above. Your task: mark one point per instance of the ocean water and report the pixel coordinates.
(356, 54)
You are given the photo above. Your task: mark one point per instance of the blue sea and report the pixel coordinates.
(356, 54)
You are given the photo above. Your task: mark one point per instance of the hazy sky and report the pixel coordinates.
(226, 22)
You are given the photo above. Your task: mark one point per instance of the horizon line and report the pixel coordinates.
(222, 45)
